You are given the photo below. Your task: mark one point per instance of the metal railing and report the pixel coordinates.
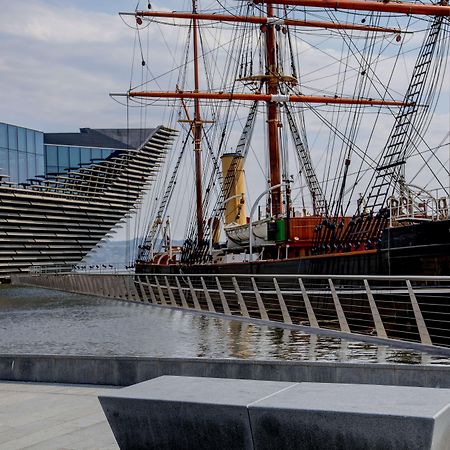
(415, 309)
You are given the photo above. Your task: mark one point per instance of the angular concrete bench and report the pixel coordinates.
(212, 413)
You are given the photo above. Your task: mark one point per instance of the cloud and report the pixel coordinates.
(64, 24)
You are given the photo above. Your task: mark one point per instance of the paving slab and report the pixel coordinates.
(53, 416)
(170, 413)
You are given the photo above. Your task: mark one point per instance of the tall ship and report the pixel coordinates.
(314, 136)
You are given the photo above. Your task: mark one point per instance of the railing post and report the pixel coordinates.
(182, 296)
(169, 291)
(340, 312)
(423, 331)
(379, 327)
(151, 291)
(160, 292)
(309, 309)
(243, 306)
(194, 295)
(223, 299)
(261, 307)
(142, 289)
(207, 296)
(284, 311)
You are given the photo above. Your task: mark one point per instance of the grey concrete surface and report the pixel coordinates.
(342, 416)
(174, 413)
(125, 371)
(50, 416)
(170, 413)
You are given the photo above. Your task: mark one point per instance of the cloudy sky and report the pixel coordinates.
(60, 59)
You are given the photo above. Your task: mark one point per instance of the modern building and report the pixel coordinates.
(75, 190)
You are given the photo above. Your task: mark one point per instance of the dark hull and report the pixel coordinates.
(422, 249)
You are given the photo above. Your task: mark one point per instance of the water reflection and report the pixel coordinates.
(39, 321)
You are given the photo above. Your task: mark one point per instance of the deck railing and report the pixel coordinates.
(413, 309)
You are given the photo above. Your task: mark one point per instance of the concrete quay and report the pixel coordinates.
(53, 416)
(126, 371)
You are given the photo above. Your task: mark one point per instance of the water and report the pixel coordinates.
(41, 321)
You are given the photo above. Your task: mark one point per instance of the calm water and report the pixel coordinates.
(40, 321)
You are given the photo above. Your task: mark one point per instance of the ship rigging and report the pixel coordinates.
(346, 190)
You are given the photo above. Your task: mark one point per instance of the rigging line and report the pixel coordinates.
(432, 154)
(181, 66)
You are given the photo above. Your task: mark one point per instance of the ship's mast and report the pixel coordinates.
(198, 129)
(273, 122)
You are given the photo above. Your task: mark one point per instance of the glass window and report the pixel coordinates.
(40, 166)
(63, 158)
(39, 140)
(3, 135)
(12, 137)
(31, 145)
(14, 166)
(96, 153)
(85, 156)
(51, 155)
(74, 157)
(23, 168)
(4, 166)
(31, 163)
(106, 153)
(22, 139)
(51, 170)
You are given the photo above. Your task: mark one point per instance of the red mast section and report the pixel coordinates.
(437, 9)
(273, 121)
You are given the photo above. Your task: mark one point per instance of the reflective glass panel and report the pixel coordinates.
(96, 153)
(85, 155)
(31, 162)
(39, 140)
(22, 139)
(3, 135)
(31, 144)
(63, 158)
(74, 157)
(40, 166)
(4, 166)
(12, 137)
(51, 155)
(23, 168)
(14, 166)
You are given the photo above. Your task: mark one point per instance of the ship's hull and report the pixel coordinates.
(419, 249)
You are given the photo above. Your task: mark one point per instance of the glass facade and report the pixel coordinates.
(60, 158)
(21, 153)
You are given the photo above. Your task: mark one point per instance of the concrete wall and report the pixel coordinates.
(125, 371)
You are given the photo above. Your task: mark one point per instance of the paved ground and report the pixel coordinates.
(52, 416)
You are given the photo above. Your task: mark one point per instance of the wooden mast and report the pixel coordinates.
(436, 9)
(198, 129)
(273, 122)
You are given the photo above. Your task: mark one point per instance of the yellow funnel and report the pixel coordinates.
(235, 210)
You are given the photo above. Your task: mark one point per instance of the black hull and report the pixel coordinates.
(422, 249)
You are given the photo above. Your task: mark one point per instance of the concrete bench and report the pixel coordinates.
(212, 413)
